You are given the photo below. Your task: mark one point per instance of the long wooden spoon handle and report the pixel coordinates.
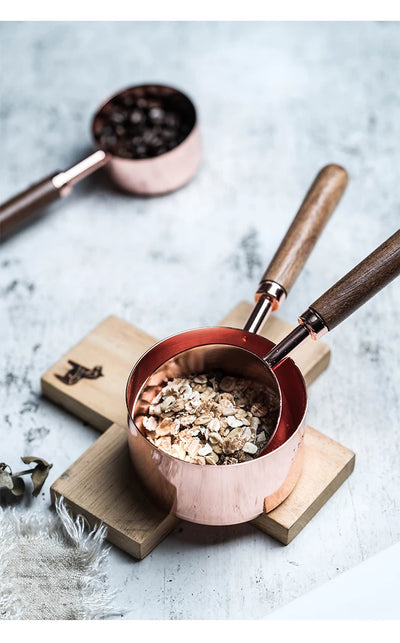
(360, 284)
(343, 299)
(314, 212)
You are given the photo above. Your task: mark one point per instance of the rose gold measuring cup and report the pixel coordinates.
(148, 176)
(222, 495)
(201, 493)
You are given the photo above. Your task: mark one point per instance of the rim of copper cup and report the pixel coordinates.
(141, 86)
(197, 464)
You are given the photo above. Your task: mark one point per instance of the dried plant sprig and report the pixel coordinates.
(14, 481)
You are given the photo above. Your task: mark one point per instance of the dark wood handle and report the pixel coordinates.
(314, 212)
(21, 207)
(360, 284)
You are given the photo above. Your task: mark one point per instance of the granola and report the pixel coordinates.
(211, 419)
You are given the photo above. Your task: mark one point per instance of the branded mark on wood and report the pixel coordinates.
(78, 372)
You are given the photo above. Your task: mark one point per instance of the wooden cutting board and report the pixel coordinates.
(90, 380)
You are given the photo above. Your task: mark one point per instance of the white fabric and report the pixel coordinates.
(52, 568)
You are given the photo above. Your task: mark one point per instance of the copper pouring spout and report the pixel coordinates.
(148, 176)
(239, 492)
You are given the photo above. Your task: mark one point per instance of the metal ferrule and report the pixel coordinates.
(64, 181)
(274, 291)
(269, 297)
(314, 323)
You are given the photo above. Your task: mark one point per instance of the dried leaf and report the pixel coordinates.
(39, 461)
(6, 479)
(39, 474)
(38, 478)
(19, 486)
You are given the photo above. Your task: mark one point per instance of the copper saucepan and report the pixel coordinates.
(231, 494)
(159, 174)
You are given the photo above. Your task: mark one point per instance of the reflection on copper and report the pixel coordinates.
(206, 494)
(166, 172)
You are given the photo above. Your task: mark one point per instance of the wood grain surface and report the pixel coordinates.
(360, 284)
(103, 486)
(309, 222)
(326, 466)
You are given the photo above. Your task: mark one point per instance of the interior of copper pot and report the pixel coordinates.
(232, 351)
(120, 112)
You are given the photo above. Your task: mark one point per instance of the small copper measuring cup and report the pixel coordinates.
(230, 494)
(142, 176)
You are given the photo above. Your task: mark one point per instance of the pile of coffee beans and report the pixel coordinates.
(143, 122)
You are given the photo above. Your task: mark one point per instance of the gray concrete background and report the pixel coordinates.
(276, 102)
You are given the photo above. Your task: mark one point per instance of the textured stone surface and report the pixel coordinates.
(276, 102)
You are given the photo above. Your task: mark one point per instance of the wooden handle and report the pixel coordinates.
(314, 212)
(360, 284)
(21, 207)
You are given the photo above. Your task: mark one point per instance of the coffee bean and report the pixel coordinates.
(156, 115)
(141, 124)
(168, 134)
(128, 101)
(171, 120)
(136, 117)
(117, 116)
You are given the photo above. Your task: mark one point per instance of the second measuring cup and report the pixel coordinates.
(146, 135)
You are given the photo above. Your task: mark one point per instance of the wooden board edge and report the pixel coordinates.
(240, 304)
(72, 405)
(284, 534)
(322, 499)
(164, 529)
(120, 540)
(269, 526)
(320, 365)
(131, 547)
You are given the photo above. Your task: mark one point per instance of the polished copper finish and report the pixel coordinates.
(273, 290)
(269, 296)
(218, 495)
(314, 323)
(258, 315)
(64, 181)
(166, 172)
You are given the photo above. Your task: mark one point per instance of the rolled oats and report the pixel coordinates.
(211, 419)
(212, 458)
(206, 450)
(251, 448)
